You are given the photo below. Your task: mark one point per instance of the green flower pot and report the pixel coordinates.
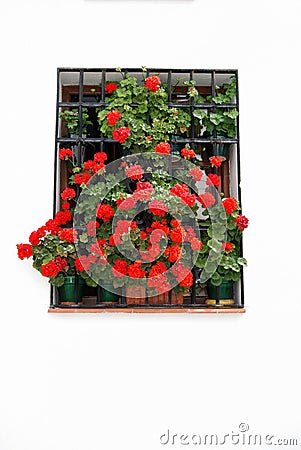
(106, 295)
(225, 293)
(67, 291)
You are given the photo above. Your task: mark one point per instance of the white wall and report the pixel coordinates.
(90, 382)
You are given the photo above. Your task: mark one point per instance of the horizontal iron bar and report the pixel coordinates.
(94, 69)
(170, 104)
(187, 140)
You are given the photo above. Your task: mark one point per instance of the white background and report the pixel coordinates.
(91, 382)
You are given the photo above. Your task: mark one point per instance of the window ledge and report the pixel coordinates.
(216, 310)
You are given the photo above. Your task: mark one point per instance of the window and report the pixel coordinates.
(210, 100)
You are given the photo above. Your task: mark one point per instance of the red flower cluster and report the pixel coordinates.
(143, 190)
(84, 262)
(65, 206)
(65, 153)
(163, 148)
(179, 190)
(177, 235)
(68, 193)
(153, 83)
(24, 251)
(51, 269)
(158, 208)
(35, 236)
(216, 161)
(196, 173)
(173, 253)
(157, 269)
(62, 217)
(82, 178)
(100, 157)
(127, 203)
(227, 246)
(61, 263)
(119, 268)
(111, 87)
(182, 274)
(213, 180)
(135, 271)
(105, 212)
(187, 153)
(91, 227)
(135, 172)
(113, 117)
(121, 134)
(68, 235)
(92, 166)
(206, 200)
(188, 199)
(230, 204)
(242, 222)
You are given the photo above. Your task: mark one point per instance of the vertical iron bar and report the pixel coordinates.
(193, 287)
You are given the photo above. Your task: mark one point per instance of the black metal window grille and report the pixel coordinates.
(79, 89)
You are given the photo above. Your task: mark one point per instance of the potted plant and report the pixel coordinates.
(224, 248)
(53, 254)
(138, 115)
(71, 119)
(219, 123)
(155, 242)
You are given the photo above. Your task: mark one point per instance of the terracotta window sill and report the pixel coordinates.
(141, 310)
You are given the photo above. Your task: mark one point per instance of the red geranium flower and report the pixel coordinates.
(119, 269)
(196, 244)
(113, 117)
(206, 200)
(188, 199)
(187, 153)
(242, 222)
(230, 204)
(157, 269)
(91, 227)
(61, 263)
(62, 217)
(177, 235)
(153, 83)
(65, 153)
(68, 234)
(68, 193)
(179, 190)
(24, 251)
(65, 206)
(111, 87)
(163, 148)
(50, 269)
(121, 134)
(227, 246)
(173, 253)
(82, 178)
(216, 161)
(105, 212)
(100, 157)
(158, 208)
(188, 280)
(135, 271)
(213, 180)
(127, 203)
(135, 172)
(196, 173)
